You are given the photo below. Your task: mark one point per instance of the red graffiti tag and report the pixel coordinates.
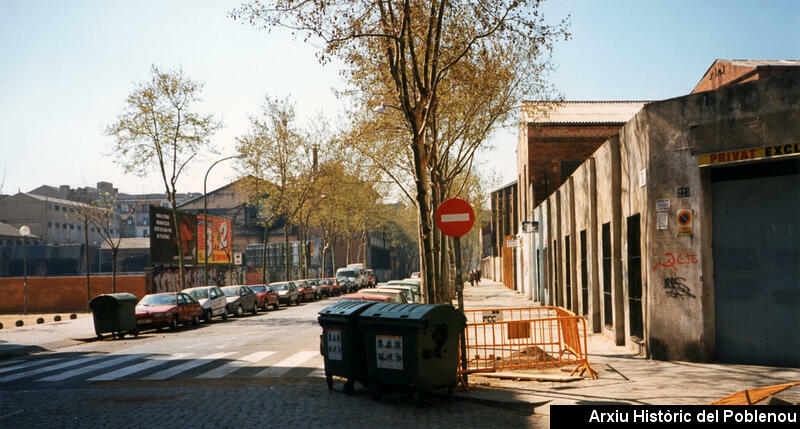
(682, 259)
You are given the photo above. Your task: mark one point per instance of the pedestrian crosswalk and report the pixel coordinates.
(153, 366)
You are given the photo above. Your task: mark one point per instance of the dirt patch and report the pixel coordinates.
(9, 320)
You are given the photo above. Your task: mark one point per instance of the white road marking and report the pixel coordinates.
(237, 364)
(48, 368)
(90, 368)
(287, 365)
(167, 373)
(320, 368)
(149, 363)
(456, 217)
(28, 364)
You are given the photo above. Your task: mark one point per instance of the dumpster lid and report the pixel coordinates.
(117, 297)
(346, 308)
(412, 312)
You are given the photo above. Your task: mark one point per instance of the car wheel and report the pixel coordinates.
(196, 320)
(207, 316)
(255, 308)
(275, 306)
(239, 311)
(173, 324)
(225, 314)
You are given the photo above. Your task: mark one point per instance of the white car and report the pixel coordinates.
(212, 299)
(405, 290)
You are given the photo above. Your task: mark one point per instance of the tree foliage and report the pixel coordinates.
(160, 130)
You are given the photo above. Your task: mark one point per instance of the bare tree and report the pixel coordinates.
(159, 129)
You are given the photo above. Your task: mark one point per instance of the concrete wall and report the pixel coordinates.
(62, 294)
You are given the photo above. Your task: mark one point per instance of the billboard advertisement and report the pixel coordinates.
(164, 240)
(217, 246)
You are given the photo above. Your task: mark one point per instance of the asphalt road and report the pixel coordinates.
(260, 370)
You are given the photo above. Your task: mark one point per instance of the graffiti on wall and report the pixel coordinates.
(671, 260)
(675, 287)
(168, 279)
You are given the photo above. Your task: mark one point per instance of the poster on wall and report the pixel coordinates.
(164, 239)
(217, 245)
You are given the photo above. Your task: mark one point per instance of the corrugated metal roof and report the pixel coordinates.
(580, 112)
(758, 63)
(59, 201)
(130, 243)
(7, 230)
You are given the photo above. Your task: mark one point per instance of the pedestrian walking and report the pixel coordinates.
(478, 277)
(471, 276)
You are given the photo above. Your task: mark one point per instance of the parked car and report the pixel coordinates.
(396, 295)
(405, 290)
(287, 293)
(324, 287)
(240, 298)
(365, 296)
(266, 296)
(317, 288)
(167, 309)
(414, 284)
(371, 279)
(351, 277)
(212, 299)
(334, 289)
(305, 290)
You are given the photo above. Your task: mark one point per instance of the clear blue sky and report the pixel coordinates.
(67, 66)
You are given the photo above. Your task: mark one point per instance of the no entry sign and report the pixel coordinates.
(455, 217)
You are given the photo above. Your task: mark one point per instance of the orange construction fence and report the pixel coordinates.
(533, 337)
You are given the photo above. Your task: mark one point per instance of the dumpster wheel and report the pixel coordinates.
(419, 397)
(329, 380)
(350, 387)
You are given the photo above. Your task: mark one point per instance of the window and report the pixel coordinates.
(64, 226)
(71, 226)
(58, 226)
(568, 274)
(79, 227)
(608, 320)
(49, 206)
(635, 278)
(56, 208)
(49, 224)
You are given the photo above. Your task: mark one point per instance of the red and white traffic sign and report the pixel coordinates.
(455, 217)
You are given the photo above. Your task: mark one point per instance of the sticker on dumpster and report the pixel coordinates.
(492, 316)
(389, 351)
(335, 344)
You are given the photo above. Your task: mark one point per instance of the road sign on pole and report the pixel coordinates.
(455, 217)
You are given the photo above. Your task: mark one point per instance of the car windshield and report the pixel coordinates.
(346, 274)
(259, 288)
(161, 299)
(198, 293)
(281, 286)
(231, 290)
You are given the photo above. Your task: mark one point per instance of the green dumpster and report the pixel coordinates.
(114, 313)
(342, 343)
(412, 347)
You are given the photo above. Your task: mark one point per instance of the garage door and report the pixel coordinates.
(756, 246)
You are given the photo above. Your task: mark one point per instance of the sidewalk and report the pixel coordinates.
(622, 377)
(48, 336)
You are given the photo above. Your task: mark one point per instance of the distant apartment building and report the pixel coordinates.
(53, 220)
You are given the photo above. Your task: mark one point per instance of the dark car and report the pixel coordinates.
(240, 299)
(266, 296)
(287, 293)
(167, 309)
(305, 289)
(334, 286)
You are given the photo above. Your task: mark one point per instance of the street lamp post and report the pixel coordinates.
(24, 231)
(205, 214)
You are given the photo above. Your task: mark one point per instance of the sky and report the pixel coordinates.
(66, 68)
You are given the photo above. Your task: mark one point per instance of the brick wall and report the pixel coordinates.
(549, 145)
(61, 294)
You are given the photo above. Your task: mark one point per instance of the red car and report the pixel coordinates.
(334, 288)
(305, 290)
(167, 309)
(266, 296)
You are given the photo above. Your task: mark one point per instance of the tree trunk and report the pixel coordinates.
(438, 266)
(178, 236)
(333, 255)
(88, 282)
(347, 257)
(287, 249)
(425, 220)
(264, 255)
(114, 251)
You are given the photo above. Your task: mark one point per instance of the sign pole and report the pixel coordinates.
(460, 292)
